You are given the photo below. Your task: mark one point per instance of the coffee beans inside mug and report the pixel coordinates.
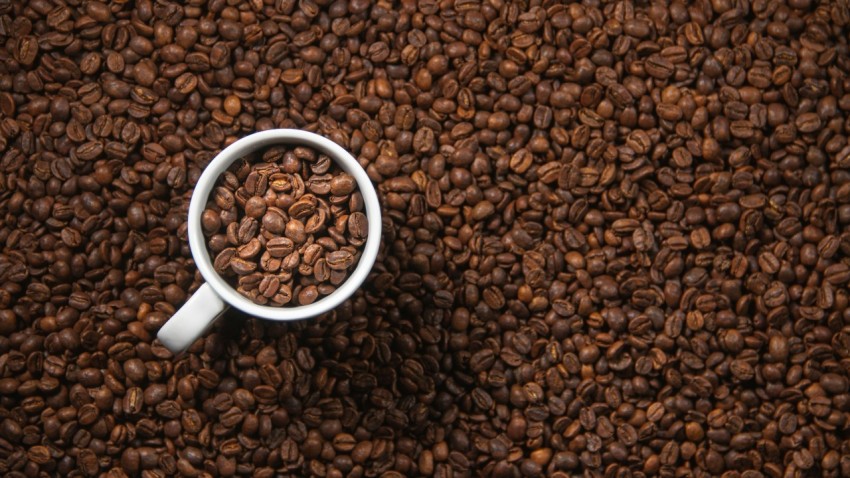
(285, 226)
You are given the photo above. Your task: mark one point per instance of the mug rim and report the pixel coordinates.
(247, 145)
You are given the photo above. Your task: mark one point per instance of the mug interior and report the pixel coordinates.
(245, 146)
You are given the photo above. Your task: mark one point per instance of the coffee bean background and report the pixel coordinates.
(616, 239)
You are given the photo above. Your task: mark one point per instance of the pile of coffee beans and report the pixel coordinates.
(616, 239)
(286, 229)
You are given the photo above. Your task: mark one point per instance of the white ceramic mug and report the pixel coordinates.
(213, 297)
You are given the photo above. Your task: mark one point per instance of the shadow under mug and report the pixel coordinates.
(216, 295)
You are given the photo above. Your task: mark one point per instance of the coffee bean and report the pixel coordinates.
(340, 260)
(250, 249)
(808, 122)
(280, 246)
(295, 231)
(133, 401)
(241, 266)
(26, 50)
(659, 67)
(358, 228)
(342, 185)
(255, 207)
(274, 221)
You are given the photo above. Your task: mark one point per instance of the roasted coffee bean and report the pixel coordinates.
(280, 246)
(26, 50)
(342, 185)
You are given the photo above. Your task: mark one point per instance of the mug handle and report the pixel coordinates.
(192, 320)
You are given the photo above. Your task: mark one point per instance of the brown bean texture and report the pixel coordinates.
(616, 238)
